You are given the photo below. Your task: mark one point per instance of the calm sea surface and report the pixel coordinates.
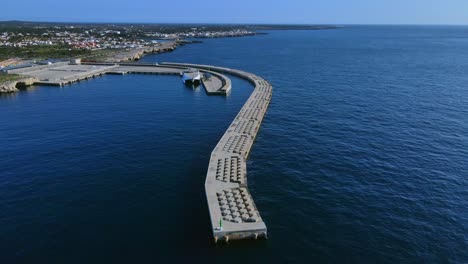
(362, 156)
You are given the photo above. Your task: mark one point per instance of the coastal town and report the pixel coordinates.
(26, 44)
(93, 38)
(30, 44)
(27, 40)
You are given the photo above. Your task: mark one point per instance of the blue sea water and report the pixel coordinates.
(362, 156)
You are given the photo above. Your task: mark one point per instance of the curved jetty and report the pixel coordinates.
(232, 210)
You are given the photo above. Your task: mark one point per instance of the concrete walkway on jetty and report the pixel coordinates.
(216, 83)
(232, 210)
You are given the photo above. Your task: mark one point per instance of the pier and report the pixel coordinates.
(232, 210)
(216, 83)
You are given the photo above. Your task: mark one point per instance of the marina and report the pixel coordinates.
(191, 77)
(216, 83)
(232, 210)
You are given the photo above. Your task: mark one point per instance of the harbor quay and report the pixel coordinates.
(232, 210)
(63, 73)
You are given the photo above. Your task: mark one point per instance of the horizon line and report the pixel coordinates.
(236, 23)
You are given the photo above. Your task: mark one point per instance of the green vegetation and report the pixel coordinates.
(8, 77)
(41, 52)
(100, 55)
(55, 52)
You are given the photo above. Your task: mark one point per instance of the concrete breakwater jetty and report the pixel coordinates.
(232, 210)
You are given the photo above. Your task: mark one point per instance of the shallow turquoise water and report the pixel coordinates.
(362, 157)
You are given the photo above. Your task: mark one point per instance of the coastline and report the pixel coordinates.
(122, 55)
(119, 56)
(12, 86)
(138, 53)
(13, 83)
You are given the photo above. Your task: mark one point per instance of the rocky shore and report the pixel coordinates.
(14, 86)
(137, 53)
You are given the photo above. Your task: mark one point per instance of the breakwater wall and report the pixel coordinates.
(232, 210)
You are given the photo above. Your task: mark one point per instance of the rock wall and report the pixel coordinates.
(12, 86)
(8, 87)
(138, 53)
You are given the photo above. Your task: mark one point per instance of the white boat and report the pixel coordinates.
(191, 77)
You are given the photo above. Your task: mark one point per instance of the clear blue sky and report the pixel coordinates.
(241, 11)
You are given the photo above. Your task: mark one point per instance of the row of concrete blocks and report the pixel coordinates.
(233, 212)
(237, 206)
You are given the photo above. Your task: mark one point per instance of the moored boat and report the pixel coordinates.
(191, 77)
